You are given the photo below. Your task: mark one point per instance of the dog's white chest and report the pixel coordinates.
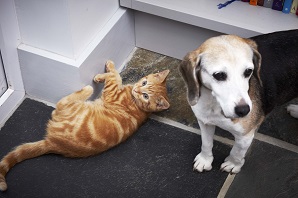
(208, 111)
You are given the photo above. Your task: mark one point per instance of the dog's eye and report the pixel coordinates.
(247, 73)
(220, 76)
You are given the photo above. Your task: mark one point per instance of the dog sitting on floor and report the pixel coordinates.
(233, 83)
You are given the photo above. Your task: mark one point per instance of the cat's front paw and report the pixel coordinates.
(293, 110)
(110, 65)
(99, 78)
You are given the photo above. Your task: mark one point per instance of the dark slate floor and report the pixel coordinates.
(157, 160)
(269, 171)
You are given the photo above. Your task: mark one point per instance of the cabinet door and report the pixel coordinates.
(3, 82)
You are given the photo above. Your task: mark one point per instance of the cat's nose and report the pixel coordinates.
(136, 90)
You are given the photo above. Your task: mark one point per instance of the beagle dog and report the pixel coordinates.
(233, 82)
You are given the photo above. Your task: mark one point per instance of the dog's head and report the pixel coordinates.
(224, 65)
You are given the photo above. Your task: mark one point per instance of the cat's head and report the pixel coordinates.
(150, 92)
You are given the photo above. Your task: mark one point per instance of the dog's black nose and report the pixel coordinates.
(242, 110)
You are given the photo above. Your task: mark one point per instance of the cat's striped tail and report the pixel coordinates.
(21, 153)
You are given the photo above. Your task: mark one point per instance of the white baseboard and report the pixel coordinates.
(49, 76)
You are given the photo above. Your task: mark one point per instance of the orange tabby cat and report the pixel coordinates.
(80, 129)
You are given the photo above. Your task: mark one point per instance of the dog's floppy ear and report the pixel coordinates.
(257, 59)
(189, 68)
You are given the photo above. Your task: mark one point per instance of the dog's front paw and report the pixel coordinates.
(202, 162)
(231, 165)
(293, 110)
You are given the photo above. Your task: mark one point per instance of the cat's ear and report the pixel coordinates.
(161, 76)
(162, 103)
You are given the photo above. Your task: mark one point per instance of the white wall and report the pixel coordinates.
(65, 43)
(64, 27)
(167, 36)
(50, 76)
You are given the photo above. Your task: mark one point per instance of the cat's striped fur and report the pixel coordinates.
(81, 128)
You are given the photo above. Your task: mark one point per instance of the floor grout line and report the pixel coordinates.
(276, 142)
(224, 189)
(190, 129)
(258, 136)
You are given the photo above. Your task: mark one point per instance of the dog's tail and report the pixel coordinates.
(293, 110)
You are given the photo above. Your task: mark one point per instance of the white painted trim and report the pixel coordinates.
(5, 96)
(47, 54)
(10, 104)
(9, 40)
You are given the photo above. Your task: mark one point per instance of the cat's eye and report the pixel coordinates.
(220, 76)
(247, 73)
(146, 96)
(144, 83)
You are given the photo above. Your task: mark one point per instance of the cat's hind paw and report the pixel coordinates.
(88, 88)
(87, 91)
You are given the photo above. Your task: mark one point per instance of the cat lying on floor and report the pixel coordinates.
(81, 128)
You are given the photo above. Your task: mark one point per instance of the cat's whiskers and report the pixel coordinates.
(133, 100)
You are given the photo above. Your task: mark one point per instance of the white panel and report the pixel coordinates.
(87, 18)
(45, 25)
(168, 37)
(63, 27)
(49, 76)
(46, 78)
(115, 42)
